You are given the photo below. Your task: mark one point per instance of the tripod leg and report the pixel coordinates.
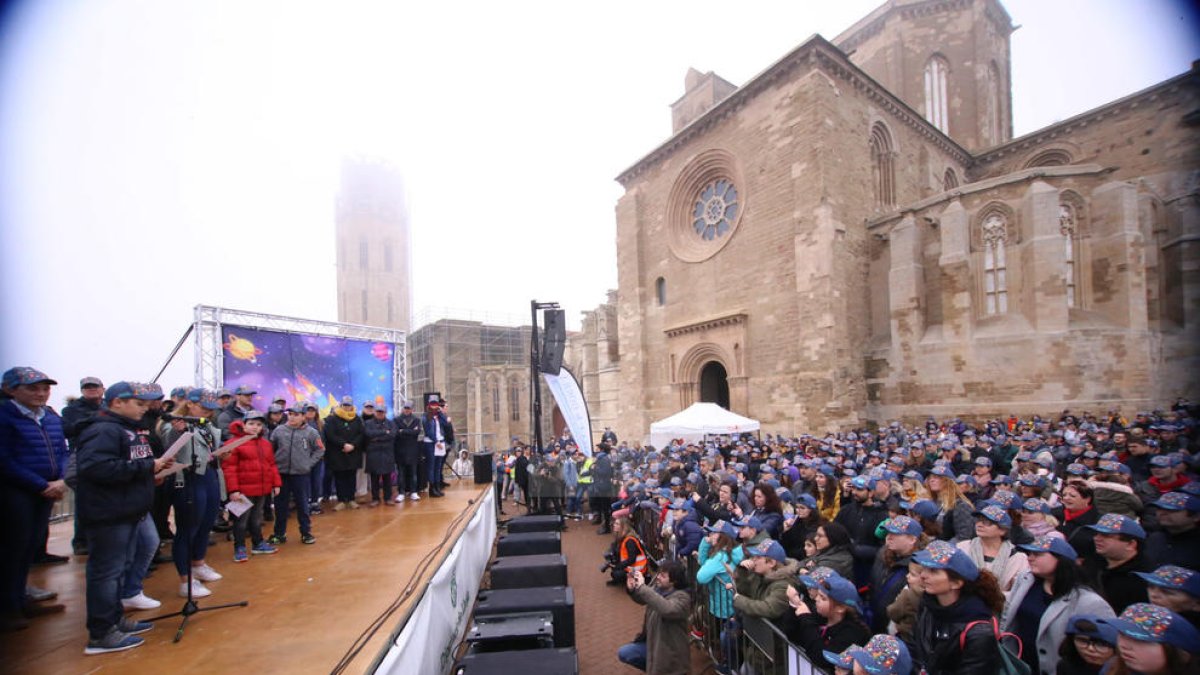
(182, 625)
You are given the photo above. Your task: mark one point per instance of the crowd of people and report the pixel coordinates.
(1061, 544)
(148, 468)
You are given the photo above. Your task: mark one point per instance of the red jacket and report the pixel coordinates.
(250, 469)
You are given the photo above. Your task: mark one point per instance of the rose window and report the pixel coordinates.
(715, 209)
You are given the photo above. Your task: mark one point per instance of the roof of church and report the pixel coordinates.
(872, 23)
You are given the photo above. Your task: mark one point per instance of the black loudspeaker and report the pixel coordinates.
(483, 462)
(528, 571)
(554, 340)
(528, 543)
(511, 632)
(535, 524)
(558, 600)
(540, 661)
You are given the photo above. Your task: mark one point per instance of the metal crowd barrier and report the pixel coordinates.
(743, 644)
(63, 509)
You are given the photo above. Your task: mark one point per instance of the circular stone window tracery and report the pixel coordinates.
(705, 205)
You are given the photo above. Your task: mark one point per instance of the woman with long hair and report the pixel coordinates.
(832, 543)
(1078, 513)
(912, 487)
(197, 492)
(1036, 518)
(960, 604)
(719, 552)
(889, 574)
(723, 509)
(804, 520)
(827, 493)
(835, 625)
(768, 509)
(1044, 598)
(991, 549)
(958, 514)
(1153, 640)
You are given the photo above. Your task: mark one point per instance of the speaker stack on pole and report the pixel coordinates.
(525, 621)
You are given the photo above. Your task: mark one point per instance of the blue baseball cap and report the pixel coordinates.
(1115, 523)
(902, 525)
(22, 375)
(943, 471)
(843, 660)
(1051, 543)
(1174, 577)
(681, 504)
(767, 548)
(983, 461)
(914, 475)
(180, 392)
(883, 655)
(807, 500)
(942, 555)
(841, 590)
(922, 507)
(1088, 625)
(1151, 623)
(1178, 501)
(863, 483)
(749, 521)
(1002, 479)
(816, 577)
(1077, 469)
(1009, 500)
(126, 390)
(997, 514)
(723, 527)
(1037, 505)
(245, 389)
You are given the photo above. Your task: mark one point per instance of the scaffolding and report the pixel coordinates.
(206, 331)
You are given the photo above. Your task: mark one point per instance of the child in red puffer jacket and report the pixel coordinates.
(250, 477)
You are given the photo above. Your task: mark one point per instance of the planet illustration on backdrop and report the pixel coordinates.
(242, 349)
(382, 351)
(322, 346)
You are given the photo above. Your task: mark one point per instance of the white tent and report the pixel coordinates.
(698, 421)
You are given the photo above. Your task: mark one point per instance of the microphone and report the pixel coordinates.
(194, 420)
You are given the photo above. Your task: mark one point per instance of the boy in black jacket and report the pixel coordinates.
(116, 467)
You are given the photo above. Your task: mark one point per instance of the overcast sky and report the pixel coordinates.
(156, 155)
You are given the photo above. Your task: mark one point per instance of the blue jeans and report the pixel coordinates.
(633, 654)
(296, 484)
(145, 545)
(194, 522)
(316, 483)
(435, 470)
(111, 547)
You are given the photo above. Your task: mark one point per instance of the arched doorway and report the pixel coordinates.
(714, 384)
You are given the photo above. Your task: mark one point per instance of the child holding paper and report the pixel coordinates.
(250, 477)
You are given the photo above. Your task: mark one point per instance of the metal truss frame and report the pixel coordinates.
(207, 336)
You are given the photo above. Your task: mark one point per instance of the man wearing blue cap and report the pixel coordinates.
(1119, 540)
(1178, 542)
(861, 517)
(243, 398)
(33, 461)
(116, 490)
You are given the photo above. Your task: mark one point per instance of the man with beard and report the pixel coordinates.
(861, 517)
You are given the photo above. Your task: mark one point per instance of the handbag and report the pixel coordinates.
(1011, 664)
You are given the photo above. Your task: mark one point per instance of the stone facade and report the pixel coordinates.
(853, 236)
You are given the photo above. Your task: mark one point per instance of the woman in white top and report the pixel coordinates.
(990, 548)
(463, 467)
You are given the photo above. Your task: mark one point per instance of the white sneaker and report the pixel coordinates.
(414, 496)
(399, 498)
(198, 590)
(140, 601)
(205, 573)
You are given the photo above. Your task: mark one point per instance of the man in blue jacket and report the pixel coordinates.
(116, 467)
(33, 460)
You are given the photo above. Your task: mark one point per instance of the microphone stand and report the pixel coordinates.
(190, 607)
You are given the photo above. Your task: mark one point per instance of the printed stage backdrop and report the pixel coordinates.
(309, 368)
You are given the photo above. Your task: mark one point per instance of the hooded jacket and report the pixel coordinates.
(297, 449)
(665, 628)
(250, 469)
(936, 638)
(115, 470)
(342, 428)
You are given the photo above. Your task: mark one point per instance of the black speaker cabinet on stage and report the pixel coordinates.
(540, 661)
(483, 462)
(527, 571)
(528, 543)
(535, 524)
(511, 632)
(558, 600)
(554, 340)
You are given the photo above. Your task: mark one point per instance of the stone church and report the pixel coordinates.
(854, 235)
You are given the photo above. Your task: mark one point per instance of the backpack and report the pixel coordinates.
(1011, 664)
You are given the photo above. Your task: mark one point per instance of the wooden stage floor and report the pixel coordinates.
(307, 603)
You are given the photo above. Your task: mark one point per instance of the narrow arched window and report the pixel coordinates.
(495, 401)
(882, 169)
(994, 114)
(995, 269)
(936, 107)
(949, 180)
(1066, 226)
(660, 291)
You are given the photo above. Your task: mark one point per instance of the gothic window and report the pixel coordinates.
(1067, 226)
(992, 119)
(1052, 157)
(882, 169)
(387, 256)
(935, 93)
(363, 254)
(715, 209)
(495, 402)
(514, 401)
(995, 281)
(950, 180)
(660, 291)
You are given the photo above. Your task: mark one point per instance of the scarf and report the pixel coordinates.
(1070, 515)
(346, 414)
(1164, 488)
(996, 566)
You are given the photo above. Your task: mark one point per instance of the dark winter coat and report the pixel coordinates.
(250, 469)
(381, 445)
(861, 521)
(602, 476)
(408, 435)
(936, 638)
(886, 584)
(115, 470)
(338, 432)
(31, 455)
(73, 416)
(1167, 548)
(1120, 586)
(688, 534)
(810, 633)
